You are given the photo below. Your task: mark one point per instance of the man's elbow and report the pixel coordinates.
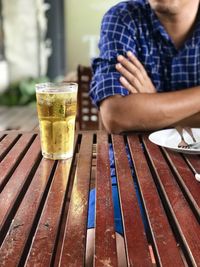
(110, 116)
(111, 125)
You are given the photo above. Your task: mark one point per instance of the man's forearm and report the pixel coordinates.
(192, 121)
(145, 111)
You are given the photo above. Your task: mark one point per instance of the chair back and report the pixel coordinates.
(87, 117)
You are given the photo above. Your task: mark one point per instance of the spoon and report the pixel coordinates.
(197, 176)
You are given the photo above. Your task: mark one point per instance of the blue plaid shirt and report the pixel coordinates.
(133, 26)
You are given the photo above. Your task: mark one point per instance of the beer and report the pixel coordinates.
(57, 113)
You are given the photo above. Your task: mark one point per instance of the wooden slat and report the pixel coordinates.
(19, 178)
(7, 114)
(28, 121)
(66, 204)
(11, 116)
(7, 143)
(14, 243)
(2, 135)
(8, 164)
(42, 247)
(73, 250)
(183, 218)
(105, 239)
(18, 118)
(31, 124)
(186, 178)
(165, 245)
(194, 160)
(134, 233)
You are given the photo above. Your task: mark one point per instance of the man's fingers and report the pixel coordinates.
(131, 68)
(132, 79)
(135, 74)
(136, 62)
(149, 87)
(127, 85)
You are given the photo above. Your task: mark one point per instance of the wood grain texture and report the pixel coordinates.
(73, 249)
(44, 203)
(105, 239)
(9, 163)
(42, 247)
(12, 248)
(20, 178)
(184, 220)
(134, 233)
(165, 244)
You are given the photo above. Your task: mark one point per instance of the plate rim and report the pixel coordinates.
(176, 149)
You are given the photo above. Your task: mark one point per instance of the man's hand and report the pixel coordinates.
(134, 77)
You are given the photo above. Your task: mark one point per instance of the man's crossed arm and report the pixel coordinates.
(143, 108)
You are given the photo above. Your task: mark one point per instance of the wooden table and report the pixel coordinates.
(23, 118)
(44, 203)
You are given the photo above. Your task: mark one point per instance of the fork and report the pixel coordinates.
(182, 143)
(189, 131)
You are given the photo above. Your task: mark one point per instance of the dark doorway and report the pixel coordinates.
(55, 16)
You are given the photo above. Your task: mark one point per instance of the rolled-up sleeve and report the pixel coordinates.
(116, 39)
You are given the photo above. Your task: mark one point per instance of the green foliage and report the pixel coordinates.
(21, 93)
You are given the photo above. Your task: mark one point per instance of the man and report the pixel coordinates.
(148, 73)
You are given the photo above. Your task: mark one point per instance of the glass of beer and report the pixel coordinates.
(56, 106)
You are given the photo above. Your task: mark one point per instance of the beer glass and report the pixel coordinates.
(56, 106)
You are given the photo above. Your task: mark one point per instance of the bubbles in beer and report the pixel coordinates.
(57, 114)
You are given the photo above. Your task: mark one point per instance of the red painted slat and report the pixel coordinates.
(10, 160)
(15, 184)
(165, 245)
(186, 178)
(14, 243)
(73, 249)
(134, 233)
(185, 220)
(66, 206)
(6, 143)
(105, 239)
(44, 239)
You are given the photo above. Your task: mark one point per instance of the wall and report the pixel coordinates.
(25, 49)
(83, 19)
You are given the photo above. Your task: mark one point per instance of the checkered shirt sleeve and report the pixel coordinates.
(115, 39)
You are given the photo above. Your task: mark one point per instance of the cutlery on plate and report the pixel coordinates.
(183, 143)
(197, 177)
(196, 174)
(195, 145)
(189, 131)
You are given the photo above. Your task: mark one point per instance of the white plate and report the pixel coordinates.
(170, 138)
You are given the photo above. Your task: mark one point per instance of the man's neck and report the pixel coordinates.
(180, 26)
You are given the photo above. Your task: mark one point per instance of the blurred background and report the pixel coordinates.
(48, 38)
(45, 40)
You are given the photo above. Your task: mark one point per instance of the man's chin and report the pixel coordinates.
(165, 8)
(167, 11)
